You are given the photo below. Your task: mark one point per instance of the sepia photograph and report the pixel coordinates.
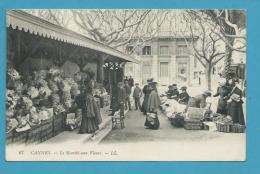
(125, 85)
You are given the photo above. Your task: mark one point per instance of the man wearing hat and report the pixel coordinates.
(184, 96)
(173, 92)
(137, 94)
(199, 101)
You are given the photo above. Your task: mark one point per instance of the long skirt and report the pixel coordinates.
(222, 106)
(91, 117)
(145, 103)
(235, 110)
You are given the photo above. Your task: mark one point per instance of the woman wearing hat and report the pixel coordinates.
(235, 109)
(153, 104)
(184, 96)
(146, 92)
(222, 92)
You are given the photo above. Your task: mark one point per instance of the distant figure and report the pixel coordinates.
(127, 97)
(184, 96)
(137, 94)
(121, 96)
(222, 92)
(199, 101)
(153, 104)
(146, 92)
(131, 82)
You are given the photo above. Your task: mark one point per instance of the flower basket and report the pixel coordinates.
(58, 124)
(34, 134)
(237, 128)
(223, 127)
(20, 137)
(46, 129)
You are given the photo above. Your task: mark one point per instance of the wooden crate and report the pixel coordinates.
(20, 137)
(195, 113)
(192, 127)
(58, 123)
(9, 137)
(34, 134)
(223, 127)
(237, 128)
(46, 129)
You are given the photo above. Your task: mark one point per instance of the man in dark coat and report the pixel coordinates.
(184, 96)
(146, 92)
(137, 94)
(199, 101)
(131, 82)
(127, 97)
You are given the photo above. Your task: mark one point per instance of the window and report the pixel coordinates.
(129, 49)
(182, 50)
(147, 50)
(195, 62)
(164, 50)
(163, 69)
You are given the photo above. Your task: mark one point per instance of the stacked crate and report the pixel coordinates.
(34, 135)
(193, 119)
(237, 128)
(20, 137)
(58, 124)
(46, 129)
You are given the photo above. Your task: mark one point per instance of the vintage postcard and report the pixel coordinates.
(126, 85)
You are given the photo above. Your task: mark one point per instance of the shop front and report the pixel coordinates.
(43, 61)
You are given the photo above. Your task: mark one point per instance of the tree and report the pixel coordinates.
(119, 28)
(231, 24)
(207, 45)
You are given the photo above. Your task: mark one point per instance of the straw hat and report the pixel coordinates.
(183, 88)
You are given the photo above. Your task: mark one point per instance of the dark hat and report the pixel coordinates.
(183, 88)
(136, 83)
(174, 84)
(150, 80)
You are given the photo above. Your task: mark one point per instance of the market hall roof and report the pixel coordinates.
(37, 26)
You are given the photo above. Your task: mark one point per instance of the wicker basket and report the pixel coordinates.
(34, 134)
(58, 124)
(237, 128)
(223, 127)
(20, 137)
(46, 129)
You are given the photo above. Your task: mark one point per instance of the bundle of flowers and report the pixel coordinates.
(11, 98)
(66, 97)
(224, 119)
(65, 86)
(45, 91)
(43, 114)
(59, 109)
(53, 86)
(55, 98)
(41, 82)
(42, 74)
(55, 72)
(27, 102)
(33, 92)
(13, 74)
(34, 117)
(18, 87)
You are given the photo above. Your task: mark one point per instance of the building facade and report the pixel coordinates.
(166, 59)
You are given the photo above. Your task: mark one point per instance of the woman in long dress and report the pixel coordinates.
(235, 109)
(91, 116)
(153, 104)
(146, 92)
(222, 92)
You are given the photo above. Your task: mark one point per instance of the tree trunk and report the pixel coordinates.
(228, 58)
(208, 75)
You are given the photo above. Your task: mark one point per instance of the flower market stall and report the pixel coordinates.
(41, 85)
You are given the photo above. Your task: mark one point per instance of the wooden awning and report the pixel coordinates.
(21, 20)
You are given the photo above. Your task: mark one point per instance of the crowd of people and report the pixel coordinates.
(229, 102)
